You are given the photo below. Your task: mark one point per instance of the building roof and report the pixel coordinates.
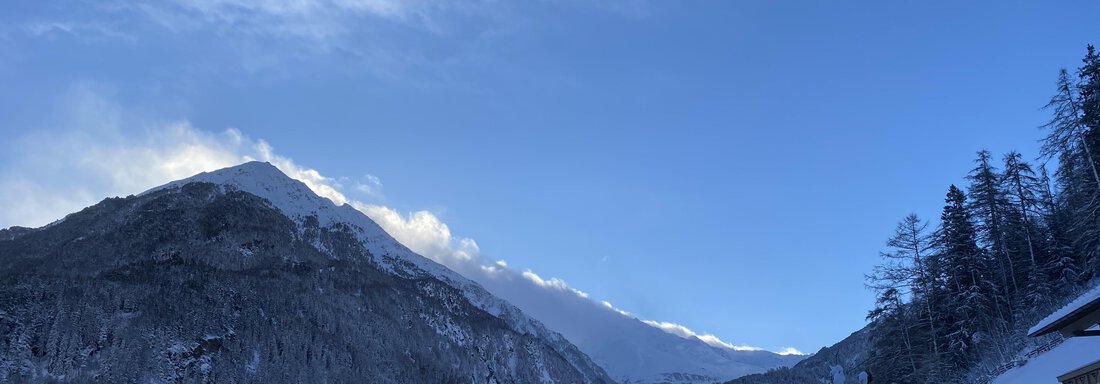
(1078, 315)
(1088, 369)
(1045, 368)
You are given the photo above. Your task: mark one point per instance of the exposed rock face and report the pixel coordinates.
(244, 275)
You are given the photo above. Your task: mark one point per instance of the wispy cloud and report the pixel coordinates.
(320, 21)
(416, 43)
(411, 42)
(790, 351)
(83, 30)
(552, 283)
(95, 149)
(369, 185)
(424, 233)
(685, 332)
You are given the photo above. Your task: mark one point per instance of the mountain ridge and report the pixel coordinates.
(277, 286)
(640, 353)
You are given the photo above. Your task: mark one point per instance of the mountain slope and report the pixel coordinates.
(840, 363)
(628, 349)
(245, 275)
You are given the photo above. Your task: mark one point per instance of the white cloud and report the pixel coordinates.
(608, 305)
(82, 30)
(417, 43)
(273, 39)
(369, 185)
(323, 186)
(495, 269)
(96, 150)
(423, 233)
(790, 351)
(685, 332)
(553, 283)
(318, 21)
(675, 329)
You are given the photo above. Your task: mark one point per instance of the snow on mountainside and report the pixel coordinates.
(245, 275)
(297, 201)
(628, 349)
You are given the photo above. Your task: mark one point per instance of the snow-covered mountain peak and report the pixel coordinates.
(262, 179)
(297, 201)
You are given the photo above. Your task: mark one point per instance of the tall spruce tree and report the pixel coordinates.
(972, 296)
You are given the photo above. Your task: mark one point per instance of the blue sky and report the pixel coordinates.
(732, 166)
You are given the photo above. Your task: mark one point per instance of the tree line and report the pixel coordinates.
(1017, 242)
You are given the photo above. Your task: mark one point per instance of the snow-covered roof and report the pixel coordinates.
(1085, 304)
(1045, 368)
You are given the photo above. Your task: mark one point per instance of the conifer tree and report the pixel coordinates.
(895, 353)
(989, 209)
(1074, 137)
(972, 298)
(1066, 131)
(1063, 267)
(1022, 190)
(902, 264)
(1089, 90)
(905, 333)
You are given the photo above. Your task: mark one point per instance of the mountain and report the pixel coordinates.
(840, 363)
(628, 349)
(245, 275)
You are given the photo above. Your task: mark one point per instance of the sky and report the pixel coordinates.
(731, 167)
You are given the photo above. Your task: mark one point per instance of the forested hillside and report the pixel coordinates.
(843, 359)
